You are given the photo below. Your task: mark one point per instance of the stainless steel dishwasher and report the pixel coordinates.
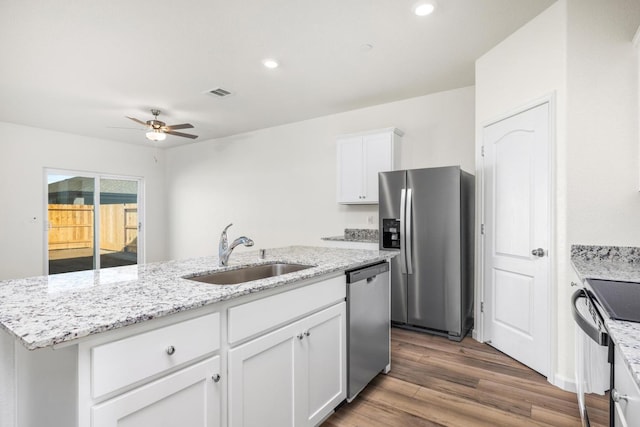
(368, 323)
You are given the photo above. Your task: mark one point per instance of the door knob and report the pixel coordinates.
(538, 252)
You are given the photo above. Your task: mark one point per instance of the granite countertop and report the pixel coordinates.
(621, 264)
(363, 235)
(48, 310)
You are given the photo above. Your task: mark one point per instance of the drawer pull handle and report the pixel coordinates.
(307, 333)
(170, 350)
(300, 336)
(215, 378)
(617, 397)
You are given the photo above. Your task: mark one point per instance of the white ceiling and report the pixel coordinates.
(81, 66)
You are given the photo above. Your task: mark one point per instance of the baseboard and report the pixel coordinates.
(566, 384)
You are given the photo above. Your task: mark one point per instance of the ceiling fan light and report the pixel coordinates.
(156, 135)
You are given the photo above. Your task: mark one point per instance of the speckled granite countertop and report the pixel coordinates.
(48, 310)
(364, 235)
(621, 264)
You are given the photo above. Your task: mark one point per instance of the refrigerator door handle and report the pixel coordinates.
(408, 233)
(403, 262)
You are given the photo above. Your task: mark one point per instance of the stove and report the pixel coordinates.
(620, 300)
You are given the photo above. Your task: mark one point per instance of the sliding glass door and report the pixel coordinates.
(93, 221)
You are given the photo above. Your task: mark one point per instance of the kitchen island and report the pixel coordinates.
(77, 348)
(620, 264)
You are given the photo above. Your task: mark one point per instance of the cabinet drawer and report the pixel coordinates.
(261, 315)
(117, 364)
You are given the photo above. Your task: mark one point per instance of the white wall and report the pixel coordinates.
(602, 117)
(582, 52)
(27, 151)
(278, 185)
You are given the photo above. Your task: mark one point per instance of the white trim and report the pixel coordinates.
(96, 222)
(636, 44)
(142, 221)
(550, 98)
(97, 176)
(566, 384)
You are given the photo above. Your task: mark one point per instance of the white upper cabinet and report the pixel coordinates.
(360, 158)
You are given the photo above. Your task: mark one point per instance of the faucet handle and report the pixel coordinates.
(223, 244)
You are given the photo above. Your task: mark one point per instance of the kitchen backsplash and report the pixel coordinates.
(361, 234)
(606, 253)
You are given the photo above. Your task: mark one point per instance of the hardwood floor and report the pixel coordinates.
(437, 382)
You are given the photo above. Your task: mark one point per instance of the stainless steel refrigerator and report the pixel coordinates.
(428, 214)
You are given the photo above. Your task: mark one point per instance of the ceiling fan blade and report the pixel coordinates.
(184, 135)
(137, 121)
(181, 126)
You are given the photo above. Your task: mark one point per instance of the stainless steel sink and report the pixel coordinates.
(247, 274)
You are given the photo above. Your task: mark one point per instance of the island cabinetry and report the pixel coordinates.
(360, 157)
(625, 394)
(188, 397)
(166, 376)
(293, 376)
(287, 356)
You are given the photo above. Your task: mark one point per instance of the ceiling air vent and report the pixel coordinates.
(219, 92)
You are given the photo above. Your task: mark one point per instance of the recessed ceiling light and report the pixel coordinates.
(424, 8)
(270, 63)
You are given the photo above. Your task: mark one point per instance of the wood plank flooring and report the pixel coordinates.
(438, 382)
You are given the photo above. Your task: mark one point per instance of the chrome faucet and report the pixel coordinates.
(224, 249)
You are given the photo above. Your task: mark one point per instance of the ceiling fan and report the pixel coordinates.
(158, 130)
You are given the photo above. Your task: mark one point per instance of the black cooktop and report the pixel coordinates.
(620, 299)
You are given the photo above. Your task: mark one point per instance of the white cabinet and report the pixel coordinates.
(166, 376)
(119, 363)
(189, 398)
(293, 376)
(360, 158)
(625, 394)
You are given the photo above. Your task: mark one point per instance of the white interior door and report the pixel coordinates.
(517, 236)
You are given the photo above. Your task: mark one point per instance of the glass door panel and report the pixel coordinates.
(118, 222)
(71, 219)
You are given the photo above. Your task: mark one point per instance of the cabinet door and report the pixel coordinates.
(322, 379)
(377, 152)
(187, 398)
(626, 395)
(350, 170)
(261, 375)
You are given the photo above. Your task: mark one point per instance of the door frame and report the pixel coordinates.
(552, 299)
(97, 176)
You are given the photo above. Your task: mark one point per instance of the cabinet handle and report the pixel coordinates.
(617, 397)
(574, 284)
(215, 378)
(307, 333)
(170, 350)
(300, 336)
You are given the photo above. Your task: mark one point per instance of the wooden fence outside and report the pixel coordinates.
(71, 227)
